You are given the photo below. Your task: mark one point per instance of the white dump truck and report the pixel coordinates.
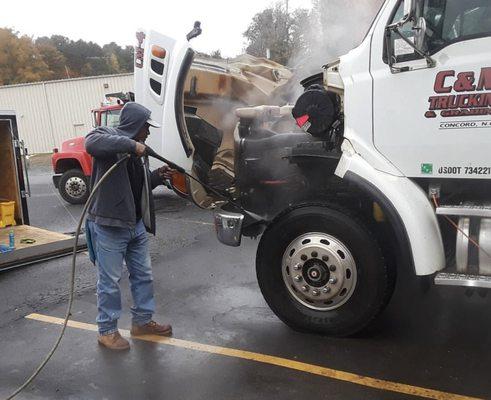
(383, 163)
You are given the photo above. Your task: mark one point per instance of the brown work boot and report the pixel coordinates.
(114, 341)
(151, 328)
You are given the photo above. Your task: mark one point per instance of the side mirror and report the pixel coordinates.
(95, 119)
(418, 26)
(420, 33)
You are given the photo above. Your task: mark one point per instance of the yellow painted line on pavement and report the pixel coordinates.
(356, 379)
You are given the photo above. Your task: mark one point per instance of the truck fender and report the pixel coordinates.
(406, 207)
(84, 161)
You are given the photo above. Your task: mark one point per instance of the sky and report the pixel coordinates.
(222, 21)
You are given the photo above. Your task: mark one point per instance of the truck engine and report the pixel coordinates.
(281, 161)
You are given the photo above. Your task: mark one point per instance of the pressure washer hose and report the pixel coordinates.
(149, 152)
(72, 280)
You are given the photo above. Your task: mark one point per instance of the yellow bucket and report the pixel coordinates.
(7, 213)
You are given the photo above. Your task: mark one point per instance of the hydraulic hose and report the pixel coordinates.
(72, 279)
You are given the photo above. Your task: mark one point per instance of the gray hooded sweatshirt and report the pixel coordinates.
(114, 204)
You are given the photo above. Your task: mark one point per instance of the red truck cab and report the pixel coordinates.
(72, 166)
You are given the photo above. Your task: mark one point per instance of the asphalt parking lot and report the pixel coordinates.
(227, 343)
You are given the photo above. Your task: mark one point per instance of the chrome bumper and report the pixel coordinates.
(228, 226)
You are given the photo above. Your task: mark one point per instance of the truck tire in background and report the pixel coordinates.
(74, 186)
(321, 270)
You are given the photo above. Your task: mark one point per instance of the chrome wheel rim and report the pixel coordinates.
(319, 271)
(75, 187)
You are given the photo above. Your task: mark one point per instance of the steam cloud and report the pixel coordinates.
(333, 28)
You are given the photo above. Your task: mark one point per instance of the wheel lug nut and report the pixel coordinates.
(305, 288)
(303, 257)
(315, 292)
(325, 258)
(332, 268)
(314, 254)
(298, 278)
(298, 266)
(333, 280)
(326, 289)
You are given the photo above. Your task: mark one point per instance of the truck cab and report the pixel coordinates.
(381, 164)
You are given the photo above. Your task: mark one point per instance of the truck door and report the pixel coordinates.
(161, 68)
(435, 121)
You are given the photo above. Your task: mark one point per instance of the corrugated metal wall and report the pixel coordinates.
(51, 112)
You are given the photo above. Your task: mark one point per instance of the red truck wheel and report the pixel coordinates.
(74, 186)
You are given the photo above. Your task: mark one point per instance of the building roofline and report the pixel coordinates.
(65, 80)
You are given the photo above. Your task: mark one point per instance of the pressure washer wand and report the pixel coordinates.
(152, 153)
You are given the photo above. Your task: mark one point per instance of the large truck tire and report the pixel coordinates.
(74, 186)
(322, 271)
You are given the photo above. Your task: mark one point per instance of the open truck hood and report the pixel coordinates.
(194, 99)
(161, 68)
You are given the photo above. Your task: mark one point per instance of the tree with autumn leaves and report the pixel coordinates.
(20, 59)
(23, 59)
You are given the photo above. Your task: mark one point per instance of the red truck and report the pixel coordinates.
(72, 165)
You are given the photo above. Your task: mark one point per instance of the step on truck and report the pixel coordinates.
(384, 157)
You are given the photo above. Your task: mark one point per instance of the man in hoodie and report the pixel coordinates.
(118, 221)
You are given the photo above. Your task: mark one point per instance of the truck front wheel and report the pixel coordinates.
(321, 270)
(74, 186)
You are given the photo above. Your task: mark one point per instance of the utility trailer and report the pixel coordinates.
(32, 244)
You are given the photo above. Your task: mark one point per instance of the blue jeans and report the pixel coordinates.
(111, 246)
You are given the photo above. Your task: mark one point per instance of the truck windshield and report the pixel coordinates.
(110, 118)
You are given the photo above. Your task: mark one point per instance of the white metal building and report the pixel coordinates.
(51, 112)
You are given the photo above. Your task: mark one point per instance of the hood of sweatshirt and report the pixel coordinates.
(132, 118)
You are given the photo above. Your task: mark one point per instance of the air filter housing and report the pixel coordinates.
(316, 110)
